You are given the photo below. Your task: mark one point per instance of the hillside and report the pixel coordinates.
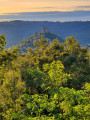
(28, 42)
(17, 31)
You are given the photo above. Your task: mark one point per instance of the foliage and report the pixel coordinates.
(2, 41)
(10, 92)
(49, 82)
(34, 79)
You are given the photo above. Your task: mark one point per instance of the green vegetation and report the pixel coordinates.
(28, 42)
(51, 81)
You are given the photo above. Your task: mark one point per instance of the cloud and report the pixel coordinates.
(83, 6)
(48, 14)
(43, 7)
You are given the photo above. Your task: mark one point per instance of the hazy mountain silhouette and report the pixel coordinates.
(17, 31)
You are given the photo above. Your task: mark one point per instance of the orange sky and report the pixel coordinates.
(15, 6)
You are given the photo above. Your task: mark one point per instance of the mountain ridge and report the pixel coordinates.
(17, 31)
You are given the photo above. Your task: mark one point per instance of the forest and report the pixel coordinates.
(51, 81)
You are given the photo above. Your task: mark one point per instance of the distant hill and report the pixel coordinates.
(17, 31)
(28, 42)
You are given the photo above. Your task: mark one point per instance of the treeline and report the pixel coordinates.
(48, 82)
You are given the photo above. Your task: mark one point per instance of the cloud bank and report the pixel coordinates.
(48, 16)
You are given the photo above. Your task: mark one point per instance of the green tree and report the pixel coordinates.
(11, 92)
(2, 41)
(72, 45)
(40, 44)
(57, 76)
(34, 79)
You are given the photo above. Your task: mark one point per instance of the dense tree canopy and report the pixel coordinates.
(51, 81)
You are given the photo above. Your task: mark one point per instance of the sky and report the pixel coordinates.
(44, 10)
(17, 6)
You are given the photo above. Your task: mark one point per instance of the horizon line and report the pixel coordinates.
(44, 21)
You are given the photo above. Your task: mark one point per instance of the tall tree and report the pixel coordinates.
(11, 92)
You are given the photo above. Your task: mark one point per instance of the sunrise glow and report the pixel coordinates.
(16, 6)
